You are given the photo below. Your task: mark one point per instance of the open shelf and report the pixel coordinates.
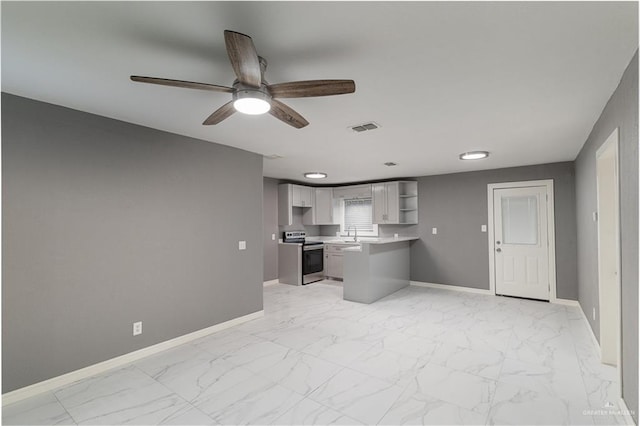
(408, 197)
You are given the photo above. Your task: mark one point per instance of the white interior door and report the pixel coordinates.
(521, 247)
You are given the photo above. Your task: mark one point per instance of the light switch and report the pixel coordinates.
(595, 216)
(483, 228)
(242, 245)
(434, 231)
(273, 237)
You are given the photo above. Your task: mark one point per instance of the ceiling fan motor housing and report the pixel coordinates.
(243, 91)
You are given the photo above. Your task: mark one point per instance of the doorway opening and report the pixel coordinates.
(608, 223)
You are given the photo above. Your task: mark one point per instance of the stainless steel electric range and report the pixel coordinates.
(307, 265)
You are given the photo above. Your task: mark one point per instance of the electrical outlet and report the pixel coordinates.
(434, 231)
(395, 235)
(594, 313)
(137, 328)
(483, 228)
(242, 245)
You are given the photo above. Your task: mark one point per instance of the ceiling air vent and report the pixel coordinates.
(364, 127)
(390, 164)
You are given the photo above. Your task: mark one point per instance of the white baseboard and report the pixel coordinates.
(451, 287)
(626, 413)
(591, 333)
(92, 370)
(271, 282)
(567, 302)
(584, 318)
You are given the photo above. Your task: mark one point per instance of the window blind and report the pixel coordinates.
(358, 213)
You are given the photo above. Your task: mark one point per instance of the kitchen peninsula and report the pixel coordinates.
(376, 269)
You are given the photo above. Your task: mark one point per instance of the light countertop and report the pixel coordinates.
(361, 240)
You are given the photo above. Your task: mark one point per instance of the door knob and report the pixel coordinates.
(498, 249)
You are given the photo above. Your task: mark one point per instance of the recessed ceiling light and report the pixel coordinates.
(315, 175)
(474, 155)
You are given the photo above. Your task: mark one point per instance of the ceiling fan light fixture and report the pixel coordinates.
(251, 94)
(251, 102)
(315, 175)
(474, 155)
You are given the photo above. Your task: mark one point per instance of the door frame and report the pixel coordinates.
(551, 233)
(611, 142)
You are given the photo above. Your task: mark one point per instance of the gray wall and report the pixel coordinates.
(270, 226)
(106, 223)
(456, 204)
(621, 111)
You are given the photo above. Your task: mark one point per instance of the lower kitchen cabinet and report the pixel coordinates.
(333, 260)
(333, 265)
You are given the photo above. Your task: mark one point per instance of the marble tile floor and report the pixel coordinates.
(419, 356)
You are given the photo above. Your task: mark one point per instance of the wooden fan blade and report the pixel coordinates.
(303, 89)
(244, 58)
(181, 83)
(286, 114)
(225, 111)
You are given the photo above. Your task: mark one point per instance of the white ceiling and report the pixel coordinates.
(525, 81)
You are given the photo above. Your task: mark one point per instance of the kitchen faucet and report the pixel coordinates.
(355, 228)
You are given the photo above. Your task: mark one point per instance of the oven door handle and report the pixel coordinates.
(313, 247)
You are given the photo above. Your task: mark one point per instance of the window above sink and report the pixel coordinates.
(357, 213)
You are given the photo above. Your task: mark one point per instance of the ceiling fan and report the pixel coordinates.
(250, 92)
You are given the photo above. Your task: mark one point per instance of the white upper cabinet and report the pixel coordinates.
(395, 202)
(354, 191)
(323, 206)
(385, 202)
(290, 196)
(322, 212)
(302, 196)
